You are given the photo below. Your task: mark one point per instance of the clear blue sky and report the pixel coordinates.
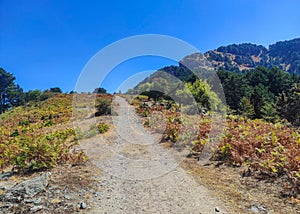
(46, 43)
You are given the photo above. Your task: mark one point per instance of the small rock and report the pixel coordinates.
(69, 205)
(6, 206)
(10, 197)
(6, 185)
(36, 208)
(258, 209)
(254, 209)
(217, 209)
(98, 193)
(53, 187)
(57, 191)
(82, 205)
(6, 175)
(37, 201)
(68, 197)
(261, 208)
(28, 200)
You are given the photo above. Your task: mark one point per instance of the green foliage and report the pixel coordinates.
(46, 95)
(56, 90)
(234, 86)
(103, 106)
(142, 97)
(102, 127)
(10, 93)
(15, 96)
(92, 131)
(184, 96)
(29, 139)
(261, 86)
(288, 105)
(269, 113)
(225, 152)
(203, 95)
(285, 55)
(245, 49)
(258, 99)
(100, 91)
(245, 108)
(44, 152)
(33, 95)
(257, 76)
(286, 52)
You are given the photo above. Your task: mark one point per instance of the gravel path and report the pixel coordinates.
(139, 175)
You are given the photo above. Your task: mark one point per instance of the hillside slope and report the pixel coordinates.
(284, 54)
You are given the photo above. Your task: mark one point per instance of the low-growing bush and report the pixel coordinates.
(92, 131)
(102, 127)
(29, 139)
(103, 106)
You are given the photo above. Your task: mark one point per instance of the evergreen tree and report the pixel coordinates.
(288, 105)
(100, 91)
(234, 86)
(10, 94)
(33, 95)
(269, 112)
(258, 99)
(245, 108)
(56, 90)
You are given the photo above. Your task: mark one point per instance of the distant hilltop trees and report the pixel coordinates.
(238, 57)
(11, 94)
(100, 91)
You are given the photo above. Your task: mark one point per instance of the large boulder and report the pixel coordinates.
(32, 187)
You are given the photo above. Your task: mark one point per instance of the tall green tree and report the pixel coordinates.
(100, 91)
(56, 90)
(245, 108)
(288, 105)
(234, 86)
(258, 98)
(278, 80)
(257, 76)
(15, 96)
(10, 94)
(269, 112)
(33, 95)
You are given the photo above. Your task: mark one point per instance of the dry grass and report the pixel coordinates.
(240, 193)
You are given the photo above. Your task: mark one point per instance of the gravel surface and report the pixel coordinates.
(140, 176)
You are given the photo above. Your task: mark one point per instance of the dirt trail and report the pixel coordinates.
(139, 175)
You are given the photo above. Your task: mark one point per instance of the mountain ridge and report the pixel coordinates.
(246, 56)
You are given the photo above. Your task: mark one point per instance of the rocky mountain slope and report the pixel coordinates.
(238, 57)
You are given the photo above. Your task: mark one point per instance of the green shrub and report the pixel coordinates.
(103, 106)
(103, 127)
(142, 97)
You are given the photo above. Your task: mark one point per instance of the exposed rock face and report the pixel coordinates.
(62, 191)
(285, 55)
(15, 194)
(33, 186)
(28, 188)
(196, 61)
